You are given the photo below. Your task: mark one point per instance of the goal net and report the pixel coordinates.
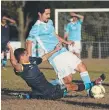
(95, 30)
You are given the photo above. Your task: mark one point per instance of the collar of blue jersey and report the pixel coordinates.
(38, 22)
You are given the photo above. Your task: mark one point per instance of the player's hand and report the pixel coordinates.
(58, 47)
(71, 42)
(4, 18)
(9, 45)
(73, 14)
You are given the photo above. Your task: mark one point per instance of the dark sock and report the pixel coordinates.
(81, 87)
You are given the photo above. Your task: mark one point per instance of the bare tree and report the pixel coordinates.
(15, 9)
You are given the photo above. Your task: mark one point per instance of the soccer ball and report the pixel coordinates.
(97, 91)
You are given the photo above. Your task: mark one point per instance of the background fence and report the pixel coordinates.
(95, 50)
(95, 33)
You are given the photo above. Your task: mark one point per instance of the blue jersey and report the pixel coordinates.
(74, 30)
(44, 34)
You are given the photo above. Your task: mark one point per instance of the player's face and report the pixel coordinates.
(75, 19)
(25, 57)
(45, 16)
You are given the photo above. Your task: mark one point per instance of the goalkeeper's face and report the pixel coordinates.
(45, 16)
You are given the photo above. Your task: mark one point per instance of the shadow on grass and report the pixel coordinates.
(11, 94)
(80, 81)
(87, 104)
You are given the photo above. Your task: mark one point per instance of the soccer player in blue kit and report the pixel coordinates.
(65, 63)
(73, 33)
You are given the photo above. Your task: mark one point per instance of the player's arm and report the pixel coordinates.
(66, 36)
(13, 61)
(81, 17)
(9, 19)
(46, 56)
(29, 47)
(64, 41)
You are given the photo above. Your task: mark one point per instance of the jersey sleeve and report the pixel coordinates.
(37, 59)
(34, 33)
(80, 21)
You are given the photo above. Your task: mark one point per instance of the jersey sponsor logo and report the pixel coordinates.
(73, 27)
(30, 66)
(34, 62)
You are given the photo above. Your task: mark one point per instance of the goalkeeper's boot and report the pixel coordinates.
(100, 79)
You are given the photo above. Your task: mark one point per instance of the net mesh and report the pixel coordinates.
(95, 33)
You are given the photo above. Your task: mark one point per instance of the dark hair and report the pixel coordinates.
(18, 52)
(41, 8)
(76, 17)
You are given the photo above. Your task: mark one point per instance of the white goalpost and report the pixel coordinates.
(95, 30)
(76, 10)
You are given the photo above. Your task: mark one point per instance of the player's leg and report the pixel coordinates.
(83, 72)
(5, 59)
(68, 83)
(55, 92)
(79, 87)
(4, 53)
(99, 80)
(76, 64)
(85, 76)
(81, 68)
(75, 87)
(82, 86)
(61, 66)
(66, 63)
